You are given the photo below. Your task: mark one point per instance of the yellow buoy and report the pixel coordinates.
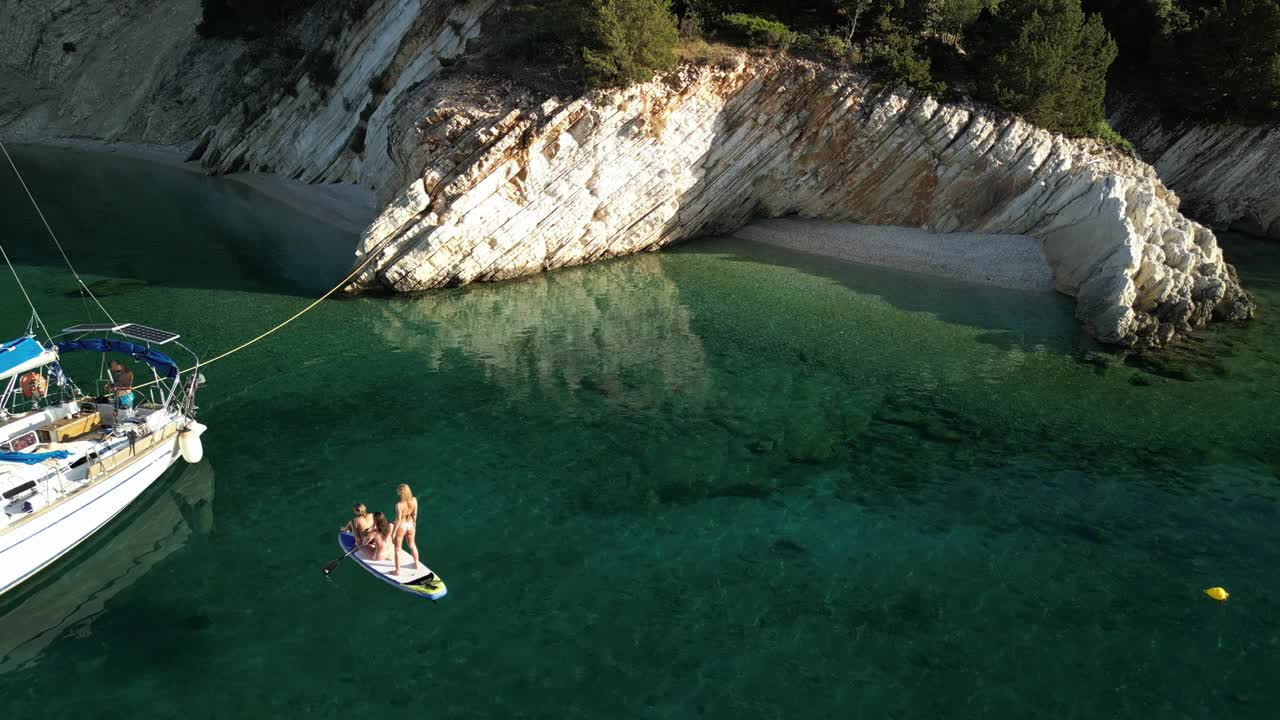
(1218, 594)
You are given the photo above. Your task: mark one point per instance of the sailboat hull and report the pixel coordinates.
(158, 526)
(37, 543)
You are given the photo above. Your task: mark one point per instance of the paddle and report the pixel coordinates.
(333, 564)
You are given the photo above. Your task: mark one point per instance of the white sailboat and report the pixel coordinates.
(70, 462)
(69, 604)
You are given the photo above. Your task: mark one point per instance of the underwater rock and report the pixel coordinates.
(790, 548)
(1090, 533)
(198, 621)
(109, 287)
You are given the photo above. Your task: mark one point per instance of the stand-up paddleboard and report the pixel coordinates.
(417, 580)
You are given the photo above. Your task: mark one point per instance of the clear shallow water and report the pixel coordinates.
(721, 482)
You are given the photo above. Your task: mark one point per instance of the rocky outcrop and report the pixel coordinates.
(484, 181)
(111, 70)
(502, 184)
(1228, 175)
(316, 133)
(316, 103)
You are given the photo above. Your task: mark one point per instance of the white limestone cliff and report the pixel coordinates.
(137, 71)
(108, 69)
(339, 134)
(501, 184)
(1227, 174)
(483, 181)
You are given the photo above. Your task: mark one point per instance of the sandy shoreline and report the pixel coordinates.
(1007, 261)
(348, 207)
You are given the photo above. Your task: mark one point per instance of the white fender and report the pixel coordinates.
(189, 442)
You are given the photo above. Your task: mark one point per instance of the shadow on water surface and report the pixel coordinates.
(1013, 319)
(66, 600)
(163, 226)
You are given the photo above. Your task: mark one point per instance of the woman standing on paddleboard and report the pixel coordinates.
(406, 524)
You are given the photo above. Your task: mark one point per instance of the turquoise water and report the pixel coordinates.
(722, 482)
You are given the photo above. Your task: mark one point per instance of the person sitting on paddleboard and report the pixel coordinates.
(380, 538)
(360, 525)
(406, 524)
(121, 384)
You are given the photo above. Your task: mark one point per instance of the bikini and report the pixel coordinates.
(408, 523)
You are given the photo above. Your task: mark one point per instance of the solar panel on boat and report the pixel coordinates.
(91, 327)
(146, 334)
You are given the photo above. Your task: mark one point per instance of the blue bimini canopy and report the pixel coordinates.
(160, 362)
(19, 356)
(33, 458)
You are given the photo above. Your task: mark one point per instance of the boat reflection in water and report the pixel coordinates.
(69, 597)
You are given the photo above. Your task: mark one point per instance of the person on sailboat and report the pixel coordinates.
(34, 386)
(406, 524)
(121, 384)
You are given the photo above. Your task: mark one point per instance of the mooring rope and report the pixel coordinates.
(262, 336)
(54, 236)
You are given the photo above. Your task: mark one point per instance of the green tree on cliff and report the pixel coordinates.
(628, 40)
(1220, 59)
(568, 43)
(1046, 60)
(1204, 59)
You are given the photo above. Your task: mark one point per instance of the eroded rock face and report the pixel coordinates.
(482, 181)
(109, 69)
(315, 104)
(315, 133)
(1228, 175)
(500, 184)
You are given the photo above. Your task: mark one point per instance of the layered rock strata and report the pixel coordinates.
(317, 103)
(1228, 175)
(501, 184)
(484, 181)
(316, 133)
(130, 70)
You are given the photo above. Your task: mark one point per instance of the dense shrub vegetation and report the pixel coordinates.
(1203, 59)
(1047, 59)
(596, 42)
(755, 31)
(1043, 58)
(626, 41)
